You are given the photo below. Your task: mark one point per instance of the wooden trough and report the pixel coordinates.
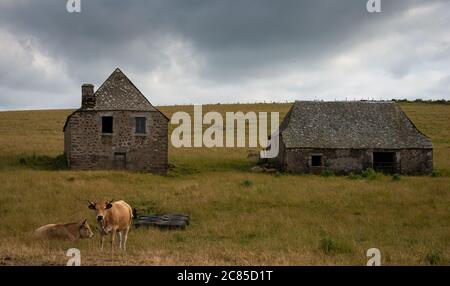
(162, 221)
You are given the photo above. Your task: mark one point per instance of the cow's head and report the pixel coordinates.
(100, 209)
(85, 230)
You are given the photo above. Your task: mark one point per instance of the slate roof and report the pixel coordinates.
(356, 125)
(119, 93)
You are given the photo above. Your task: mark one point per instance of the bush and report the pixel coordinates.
(247, 183)
(396, 177)
(330, 246)
(434, 257)
(60, 162)
(435, 173)
(327, 173)
(369, 173)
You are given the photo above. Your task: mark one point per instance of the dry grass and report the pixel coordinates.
(271, 219)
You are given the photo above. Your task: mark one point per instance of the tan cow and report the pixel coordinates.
(69, 231)
(113, 217)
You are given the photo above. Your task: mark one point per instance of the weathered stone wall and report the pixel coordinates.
(416, 161)
(87, 148)
(342, 161)
(336, 160)
(67, 143)
(278, 161)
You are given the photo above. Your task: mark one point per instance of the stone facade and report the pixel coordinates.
(345, 137)
(344, 161)
(87, 148)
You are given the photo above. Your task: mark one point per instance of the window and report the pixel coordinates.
(107, 124)
(316, 161)
(140, 125)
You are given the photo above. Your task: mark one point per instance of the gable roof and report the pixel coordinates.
(350, 125)
(119, 93)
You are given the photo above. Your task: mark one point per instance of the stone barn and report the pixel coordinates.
(348, 137)
(116, 128)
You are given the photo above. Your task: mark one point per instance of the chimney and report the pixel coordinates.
(87, 96)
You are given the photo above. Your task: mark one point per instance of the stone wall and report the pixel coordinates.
(343, 161)
(416, 161)
(278, 161)
(87, 148)
(336, 160)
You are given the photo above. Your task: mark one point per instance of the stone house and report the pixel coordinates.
(116, 128)
(348, 137)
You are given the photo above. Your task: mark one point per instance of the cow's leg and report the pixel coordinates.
(125, 237)
(113, 238)
(102, 240)
(120, 239)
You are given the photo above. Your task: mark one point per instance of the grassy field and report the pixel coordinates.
(237, 217)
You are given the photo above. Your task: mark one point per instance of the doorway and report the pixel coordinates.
(120, 161)
(385, 162)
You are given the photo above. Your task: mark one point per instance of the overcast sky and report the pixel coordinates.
(193, 51)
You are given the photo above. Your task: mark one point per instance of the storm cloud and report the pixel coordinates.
(196, 51)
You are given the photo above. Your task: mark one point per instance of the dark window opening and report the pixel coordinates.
(140, 125)
(385, 162)
(316, 160)
(107, 124)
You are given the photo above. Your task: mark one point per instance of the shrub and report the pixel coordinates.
(330, 246)
(396, 177)
(60, 162)
(434, 257)
(369, 173)
(247, 183)
(327, 173)
(435, 173)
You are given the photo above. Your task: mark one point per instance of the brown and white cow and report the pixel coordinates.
(69, 231)
(113, 217)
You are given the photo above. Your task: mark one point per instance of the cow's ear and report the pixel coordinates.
(108, 205)
(92, 206)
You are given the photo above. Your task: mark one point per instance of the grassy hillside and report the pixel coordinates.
(238, 217)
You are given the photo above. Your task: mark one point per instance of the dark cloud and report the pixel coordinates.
(217, 46)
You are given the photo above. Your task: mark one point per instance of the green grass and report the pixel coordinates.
(327, 173)
(369, 174)
(248, 183)
(396, 177)
(330, 246)
(237, 217)
(434, 257)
